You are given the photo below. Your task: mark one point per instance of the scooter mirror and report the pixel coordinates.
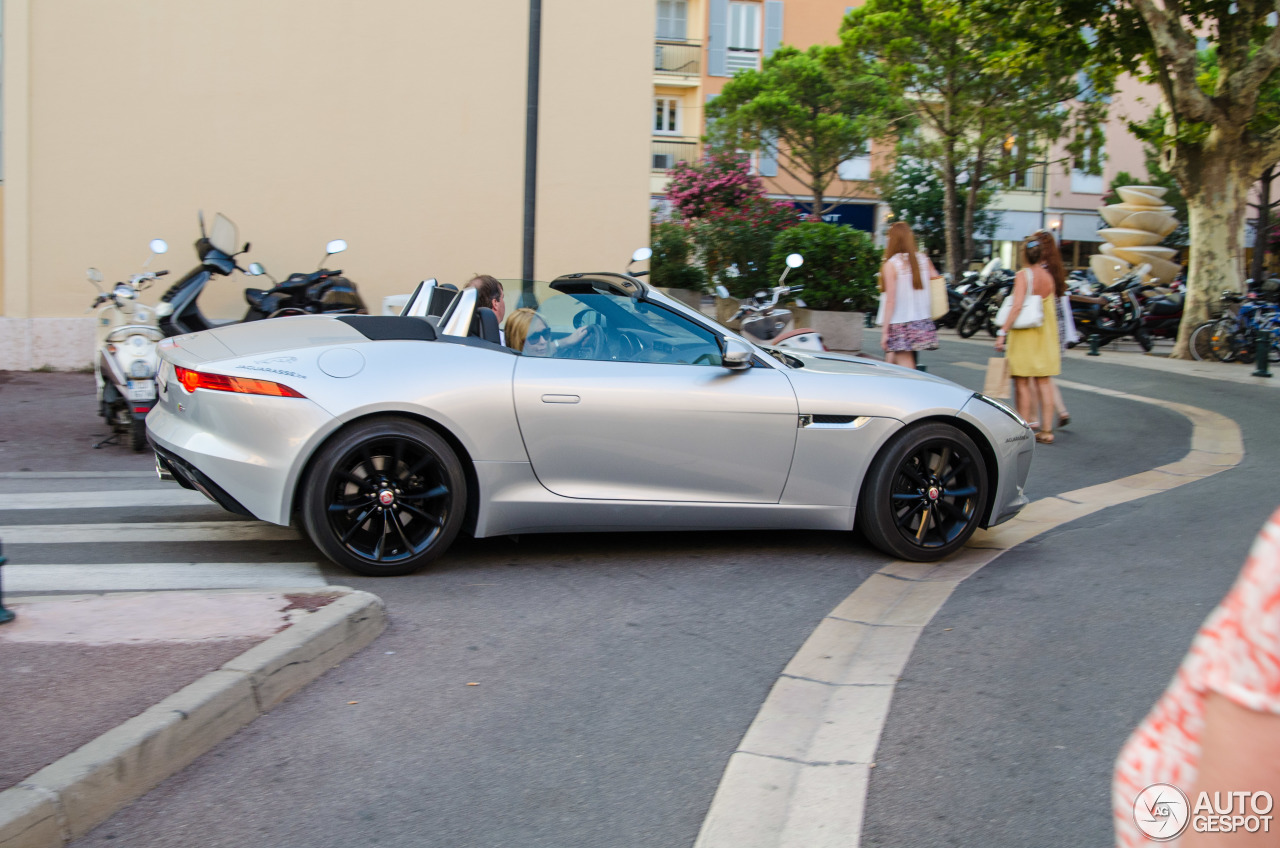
(94, 275)
(641, 254)
(255, 269)
(721, 291)
(335, 246)
(794, 260)
(159, 246)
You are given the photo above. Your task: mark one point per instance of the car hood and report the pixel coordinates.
(839, 384)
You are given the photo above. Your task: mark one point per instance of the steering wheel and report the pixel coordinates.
(592, 345)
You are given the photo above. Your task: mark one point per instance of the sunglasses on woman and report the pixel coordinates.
(538, 337)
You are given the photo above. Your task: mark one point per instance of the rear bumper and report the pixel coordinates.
(190, 477)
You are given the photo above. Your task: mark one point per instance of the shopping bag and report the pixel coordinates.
(997, 383)
(938, 303)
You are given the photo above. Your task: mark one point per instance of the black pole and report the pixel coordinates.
(527, 297)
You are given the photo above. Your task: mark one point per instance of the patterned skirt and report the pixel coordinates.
(913, 335)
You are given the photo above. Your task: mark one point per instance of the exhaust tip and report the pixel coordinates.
(162, 471)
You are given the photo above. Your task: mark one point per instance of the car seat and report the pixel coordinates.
(484, 325)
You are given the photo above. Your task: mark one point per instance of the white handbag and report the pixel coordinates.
(1030, 316)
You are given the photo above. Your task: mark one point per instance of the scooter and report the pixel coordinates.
(763, 321)
(1115, 312)
(125, 366)
(983, 298)
(319, 291)
(1161, 311)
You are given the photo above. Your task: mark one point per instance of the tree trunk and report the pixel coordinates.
(1216, 181)
(971, 207)
(818, 204)
(950, 213)
(1263, 224)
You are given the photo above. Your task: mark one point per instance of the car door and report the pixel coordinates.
(635, 418)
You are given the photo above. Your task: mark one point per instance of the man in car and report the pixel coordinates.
(489, 293)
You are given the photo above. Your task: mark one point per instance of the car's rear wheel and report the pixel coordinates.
(925, 492)
(384, 498)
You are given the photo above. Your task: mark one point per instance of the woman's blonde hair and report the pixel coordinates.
(902, 240)
(516, 329)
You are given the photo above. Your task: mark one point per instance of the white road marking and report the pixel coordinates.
(120, 577)
(172, 531)
(173, 496)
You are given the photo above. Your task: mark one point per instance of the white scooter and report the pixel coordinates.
(764, 322)
(126, 360)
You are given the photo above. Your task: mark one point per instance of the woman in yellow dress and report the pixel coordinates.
(1034, 355)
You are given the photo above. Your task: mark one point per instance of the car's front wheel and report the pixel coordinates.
(924, 494)
(385, 497)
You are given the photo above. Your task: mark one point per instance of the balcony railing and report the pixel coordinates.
(667, 152)
(739, 59)
(682, 58)
(1030, 180)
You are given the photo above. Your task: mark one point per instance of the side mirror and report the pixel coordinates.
(794, 260)
(159, 246)
(737, 354)
(335, 246)
(722, 292)
(641, 254)
(94, 275)
(255, 269)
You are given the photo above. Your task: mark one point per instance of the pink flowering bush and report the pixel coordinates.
(721, 180)
(736, 242)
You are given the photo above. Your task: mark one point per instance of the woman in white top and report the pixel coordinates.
(904, 278)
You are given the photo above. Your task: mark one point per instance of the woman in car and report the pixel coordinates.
(529, 334)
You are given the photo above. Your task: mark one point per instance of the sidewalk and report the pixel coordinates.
(107, 695)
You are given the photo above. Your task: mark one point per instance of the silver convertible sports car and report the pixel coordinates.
(386, 436)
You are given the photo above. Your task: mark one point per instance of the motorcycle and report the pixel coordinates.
(1113, 312)
(983, 299)
(320, 291)
(1161, 311)
(125, 366)
(765, 322)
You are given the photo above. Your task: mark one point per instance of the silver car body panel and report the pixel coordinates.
(563, 445)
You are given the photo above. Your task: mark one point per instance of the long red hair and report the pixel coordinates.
(1042, 249)
(902, 240)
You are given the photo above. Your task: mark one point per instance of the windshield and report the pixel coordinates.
(223, 234)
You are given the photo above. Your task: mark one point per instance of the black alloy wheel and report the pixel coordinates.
(385, 497)
(925, 493)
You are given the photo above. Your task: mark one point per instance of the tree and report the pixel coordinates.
(811, 110)
(840, 265)
(977, 87)
(1222, 109)
(914, 192)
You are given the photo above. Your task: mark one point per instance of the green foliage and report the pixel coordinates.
(736, 243)
(840, 264)
(915, 194)
(811, 109)
(672, 248)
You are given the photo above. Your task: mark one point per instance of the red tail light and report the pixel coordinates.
(192, 380)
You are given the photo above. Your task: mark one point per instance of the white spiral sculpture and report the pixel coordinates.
(1135, 227)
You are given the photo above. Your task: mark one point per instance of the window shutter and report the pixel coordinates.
(768, 157)
(717, 38)
(772, 26)
(664, 18)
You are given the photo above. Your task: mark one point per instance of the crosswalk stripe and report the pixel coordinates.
(21, 577)
(172, 531)
(173, 496)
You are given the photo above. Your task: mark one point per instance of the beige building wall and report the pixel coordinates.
(399, 126)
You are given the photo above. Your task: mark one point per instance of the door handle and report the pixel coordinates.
(560, 398)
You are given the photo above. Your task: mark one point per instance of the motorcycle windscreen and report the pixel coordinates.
(223, 235)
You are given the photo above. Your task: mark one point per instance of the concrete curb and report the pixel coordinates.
(800, 775)
(68, 798)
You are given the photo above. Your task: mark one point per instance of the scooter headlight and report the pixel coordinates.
(164, 309)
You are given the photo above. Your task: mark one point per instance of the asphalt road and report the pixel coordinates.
(615, 673)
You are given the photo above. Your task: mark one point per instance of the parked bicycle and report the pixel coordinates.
(1233, 336)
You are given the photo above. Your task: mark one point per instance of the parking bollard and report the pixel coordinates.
(5, 615)
(1261, 353)
(1094, 341)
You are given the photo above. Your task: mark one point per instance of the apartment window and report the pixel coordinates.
(744, 26)
(857, 168)
(1091, 158)
(666, 116)
(673, 16)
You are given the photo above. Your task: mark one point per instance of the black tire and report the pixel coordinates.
(971, 321)
(1198, 344)
(138, 434)
(924, 494)
(1143, 339)
(384, 498)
